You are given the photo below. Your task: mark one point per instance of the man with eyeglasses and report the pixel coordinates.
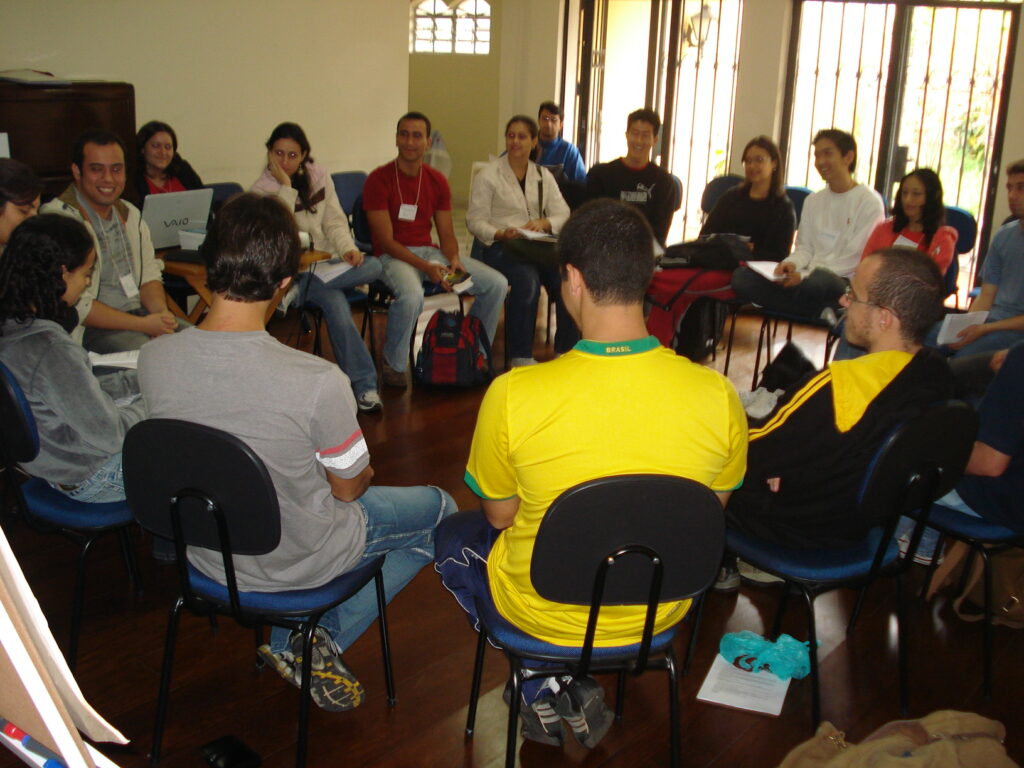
(556, 153)
(807, 459)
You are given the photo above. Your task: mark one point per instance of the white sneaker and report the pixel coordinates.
(288, 298)
(369, 402)
(751, 575)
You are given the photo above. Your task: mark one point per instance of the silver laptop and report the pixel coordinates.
(167, 213)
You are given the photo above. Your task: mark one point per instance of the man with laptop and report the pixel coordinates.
(126, 304)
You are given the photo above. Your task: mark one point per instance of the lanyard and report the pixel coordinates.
(419, 186)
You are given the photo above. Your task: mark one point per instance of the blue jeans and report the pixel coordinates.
(105, 484)
(349, 350)
(808, 298)
(406, 282)
(525, 281)
(930, 537)
(400, 522)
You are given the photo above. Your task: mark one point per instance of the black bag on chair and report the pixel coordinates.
(700, 329)
(721, 251)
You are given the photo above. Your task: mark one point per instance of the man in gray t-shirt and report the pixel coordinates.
(299, 415)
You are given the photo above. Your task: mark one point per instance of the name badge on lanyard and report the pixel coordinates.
(128, 285)
(407, 212)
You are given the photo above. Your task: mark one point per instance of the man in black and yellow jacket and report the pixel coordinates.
(807, 460)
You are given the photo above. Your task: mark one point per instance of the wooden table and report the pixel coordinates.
(195, 276)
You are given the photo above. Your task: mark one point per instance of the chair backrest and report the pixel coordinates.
(19, 437)
(918, 462)
(222, 192)
(714, 190)
(677, 197)
(797, 195)
(202, 475)
(349, 186)
(966, 227)
(679, 519)
(361, 232)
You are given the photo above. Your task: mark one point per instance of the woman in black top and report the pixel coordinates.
(759, 207)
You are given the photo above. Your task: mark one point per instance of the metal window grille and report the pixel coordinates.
(919, 83)
(438, 27)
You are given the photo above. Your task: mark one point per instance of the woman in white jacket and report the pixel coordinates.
(512, 194)
(308, 191)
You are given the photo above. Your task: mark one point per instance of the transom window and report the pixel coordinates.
(455, 26)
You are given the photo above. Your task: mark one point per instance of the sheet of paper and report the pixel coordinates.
(953, 323)
(765, 268)
(904, 242)
(543, 237)
(128, 359)
(328, 270)
(730, 686)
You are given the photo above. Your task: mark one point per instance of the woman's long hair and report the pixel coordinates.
(300, 179)
(933, 215)
(32, 269)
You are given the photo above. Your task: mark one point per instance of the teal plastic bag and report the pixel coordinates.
(785, 658)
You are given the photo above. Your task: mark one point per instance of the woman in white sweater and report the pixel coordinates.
(308, 191)
(510, 195)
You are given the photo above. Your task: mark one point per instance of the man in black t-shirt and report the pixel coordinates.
(635, 179)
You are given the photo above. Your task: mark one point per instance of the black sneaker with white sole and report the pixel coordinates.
(581, 703)
(538, 720)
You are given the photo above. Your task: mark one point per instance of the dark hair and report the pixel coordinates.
(763, 142)
(414, 116)
(549, 106)
(147, 132)
(18, 183)
(100, 138)
(31, 275)
(1017, 166)
(908, 283)
(612, 246)
(933, 215)
(646, 115)
(300, 179)
(844, 142)
(252, 246)
(531, 126)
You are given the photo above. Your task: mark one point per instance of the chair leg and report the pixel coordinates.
(728, 346)
(673, 708)
(780, 612)
(757, 358)
(304, 695)
(78, 597)
(513, 712)
(812, 653)
(693, 633)
(620, 695)
(124, 536)
(939, 546)
(165, 680)
(257, 632)
(901, 646)
(474, 690)
(986, 659)
(385, 645)
(856, 609)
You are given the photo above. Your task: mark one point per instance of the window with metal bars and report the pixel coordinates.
(451, 27)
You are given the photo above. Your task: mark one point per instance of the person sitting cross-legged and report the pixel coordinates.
(298, 413)
(598, 410)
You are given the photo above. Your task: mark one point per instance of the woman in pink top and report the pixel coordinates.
(918, 220)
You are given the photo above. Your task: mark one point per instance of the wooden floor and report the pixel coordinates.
(423, 437)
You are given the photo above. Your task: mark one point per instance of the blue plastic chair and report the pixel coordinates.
(798, 195)
(967, 230)
(206, 488)
(222, 192)
(349, 186)
(627, 540)
(917, 463)
(49, 510)
(984, 539)
(714, 190)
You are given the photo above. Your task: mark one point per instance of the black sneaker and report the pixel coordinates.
(581, 703)
(332, 685)
(539, 721)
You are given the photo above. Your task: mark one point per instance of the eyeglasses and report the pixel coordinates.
(851, 298)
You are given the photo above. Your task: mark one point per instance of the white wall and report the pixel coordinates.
(223, 73)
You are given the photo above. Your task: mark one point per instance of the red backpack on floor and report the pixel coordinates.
(455, 351)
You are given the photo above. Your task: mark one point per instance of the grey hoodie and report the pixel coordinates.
(80, 426)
